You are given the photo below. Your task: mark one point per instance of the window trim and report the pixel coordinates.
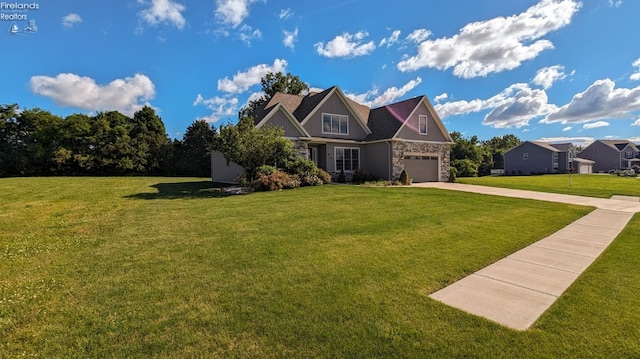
(340, 117)
(426, 126)
(335, 159)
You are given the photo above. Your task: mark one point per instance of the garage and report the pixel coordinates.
(422, 168)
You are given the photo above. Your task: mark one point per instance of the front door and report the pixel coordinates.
(312, 153)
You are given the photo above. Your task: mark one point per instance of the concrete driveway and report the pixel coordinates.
(516, 290)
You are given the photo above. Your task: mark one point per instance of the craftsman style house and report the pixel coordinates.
(535, 157)
(612, 155)
(339, 134)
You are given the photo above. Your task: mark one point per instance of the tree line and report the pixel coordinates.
(34, 142)
(471, 157)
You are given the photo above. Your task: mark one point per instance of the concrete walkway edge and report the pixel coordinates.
(515, 291)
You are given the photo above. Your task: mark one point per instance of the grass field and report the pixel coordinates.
(166, 267)
(592, 185)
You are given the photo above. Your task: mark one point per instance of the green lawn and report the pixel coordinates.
(593, 185)
(166, 267)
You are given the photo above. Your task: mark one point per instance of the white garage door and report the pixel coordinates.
(422, 168)
(585, 169)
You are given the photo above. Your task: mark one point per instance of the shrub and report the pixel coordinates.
(265, 170)
(404, 178)
(302, 167)
(341, 177)
(452, 174)
(361, 176)
(276, 181)
(312, 180)
(324, 176)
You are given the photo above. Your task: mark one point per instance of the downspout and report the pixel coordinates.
(390, 162)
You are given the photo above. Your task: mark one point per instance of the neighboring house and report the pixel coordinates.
(535, 157)
(339, 134)
(612, 155)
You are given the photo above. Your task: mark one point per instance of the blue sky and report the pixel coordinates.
(559, 70)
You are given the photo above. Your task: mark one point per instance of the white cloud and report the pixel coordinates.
(346, 45)
(588, 126)
(615, 3)
(220, 107)
(371, 98)
(248, 34)
(495, 45)
(163, 11)
(546, 76)
(71, 90)
(290, 38)
(578, 141)
(568, 128)
(636, 123)
(232, 12)
(601, 100)
(441, 97)
(71, 19)
(419, 35)
(636, 75)
(243, 80)
(285, 14)
(514, 106)
(395, 35)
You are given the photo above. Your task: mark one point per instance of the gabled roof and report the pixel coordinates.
(618, 145)
(269, 112)
(381, 123)
(386, 121)
(541, 144)
(562, 147)
(347, 102)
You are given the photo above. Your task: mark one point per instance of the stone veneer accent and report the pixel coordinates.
(402, 147)
(301, 148)
(399, 149)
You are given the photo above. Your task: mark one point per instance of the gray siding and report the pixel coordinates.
(410, 130)
(279, 119)
(334, 105)
(540, 160)
(378, 158)
(223, 170)
(605, 157)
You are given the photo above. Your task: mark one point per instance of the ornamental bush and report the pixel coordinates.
(404, 178)
(324, 176)
(275, 181)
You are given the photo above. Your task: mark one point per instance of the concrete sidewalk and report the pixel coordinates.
(516, 290)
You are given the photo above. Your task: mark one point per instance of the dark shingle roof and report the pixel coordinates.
(562, 147)
(309, 103)
(385, 121)
(618, 145)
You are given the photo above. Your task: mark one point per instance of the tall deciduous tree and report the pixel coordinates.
(498, 145)
(9, 139)
(252, 147)
(148, 138)
(196, 145)
(273, 83)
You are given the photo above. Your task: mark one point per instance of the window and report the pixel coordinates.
(347, 159)
(422, 124)
(336, 124)
(628, 154)
(525, 156)
(555, 155)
